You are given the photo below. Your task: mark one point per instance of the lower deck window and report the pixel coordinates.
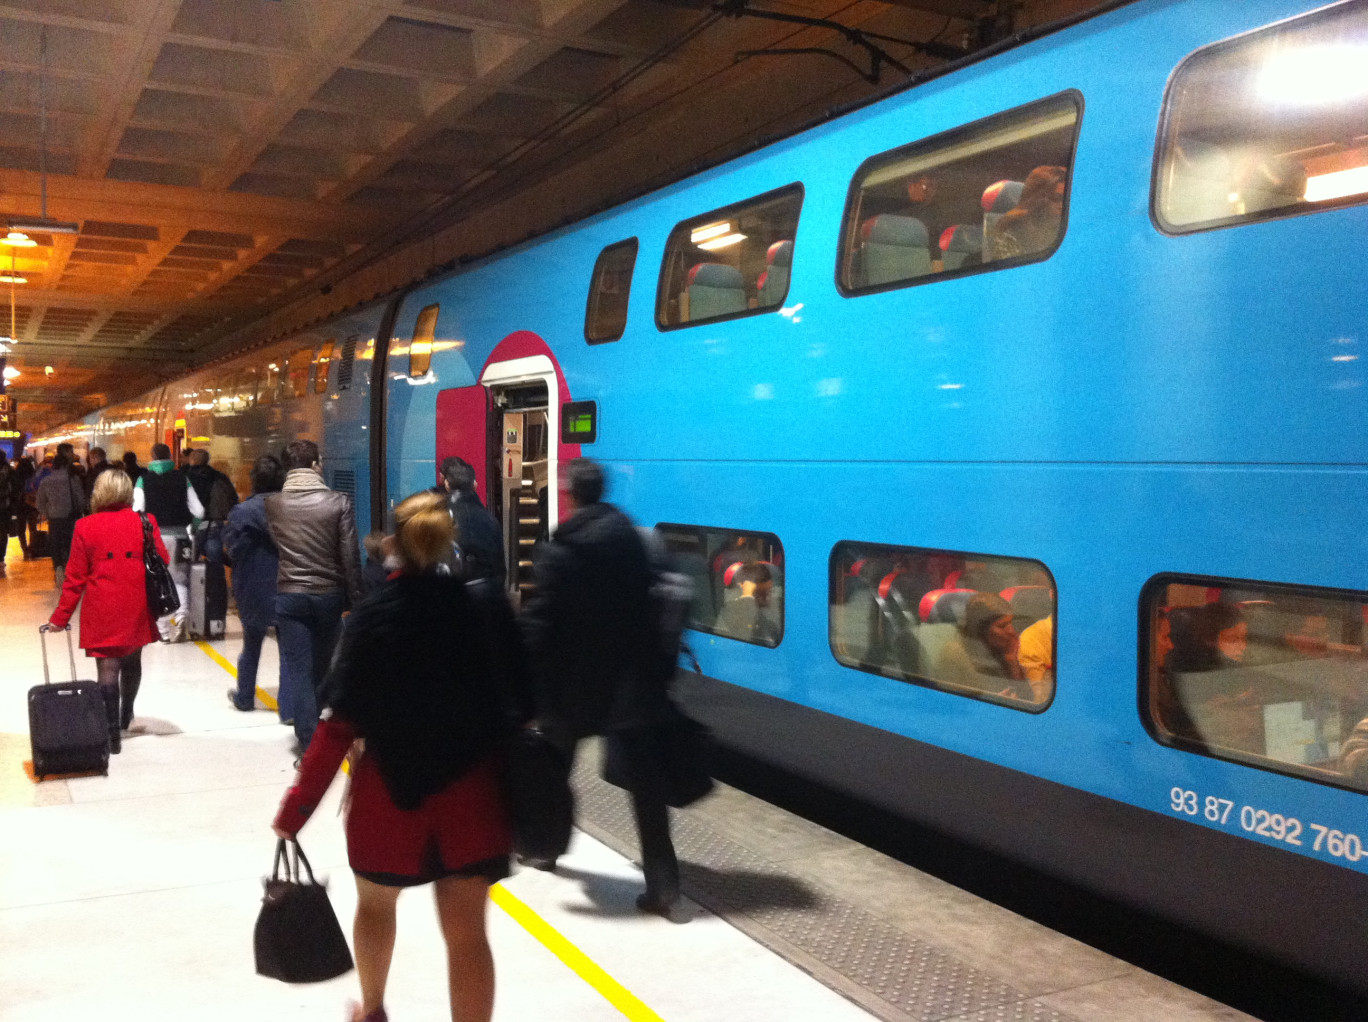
(1275, 676)
(738, 580)
(972, 624)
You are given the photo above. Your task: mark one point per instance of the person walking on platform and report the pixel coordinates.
(477, 531)
(247, 539)
(595, 656)
(61, 500)
(107, 576)
(96, 467)
(165, 493)
(424, 675)
(11, 498)
(131, 466)
(319, 577)
(25, 514)
(215, 491)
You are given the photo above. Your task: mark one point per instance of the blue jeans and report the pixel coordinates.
(307, 625)
(252, 638)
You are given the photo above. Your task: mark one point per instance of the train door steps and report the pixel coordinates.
(903, 945)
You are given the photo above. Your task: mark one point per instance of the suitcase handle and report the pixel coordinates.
(71, 653)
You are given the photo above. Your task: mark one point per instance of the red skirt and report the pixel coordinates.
(462, 830)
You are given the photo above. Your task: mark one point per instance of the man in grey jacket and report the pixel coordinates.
(319, 578)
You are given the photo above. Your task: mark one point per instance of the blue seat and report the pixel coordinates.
(893, 248)
(715, 289)
(774, 280)
(960, 244)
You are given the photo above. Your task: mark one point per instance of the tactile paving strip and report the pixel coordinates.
(896, 976)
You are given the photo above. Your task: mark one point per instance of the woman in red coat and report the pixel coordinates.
(106, 571)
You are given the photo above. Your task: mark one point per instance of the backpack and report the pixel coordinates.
(671, 598)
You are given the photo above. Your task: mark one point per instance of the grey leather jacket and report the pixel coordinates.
(315, 532)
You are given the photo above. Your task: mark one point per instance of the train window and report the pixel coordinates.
(605, 316)
(298, 371)
(1274, 123)
(730, 262)
(420, 348)
(738, 580)
(983, 197)
(324, 363)
(1271, 675)
(270, 383)
(972, 624)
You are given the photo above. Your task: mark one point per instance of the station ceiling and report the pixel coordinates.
(240, 168)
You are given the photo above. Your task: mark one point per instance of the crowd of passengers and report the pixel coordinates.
(415, 669)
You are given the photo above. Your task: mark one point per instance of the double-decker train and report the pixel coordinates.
(1012, 427)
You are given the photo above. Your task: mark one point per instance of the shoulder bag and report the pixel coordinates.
(297, 937)
(162, 598)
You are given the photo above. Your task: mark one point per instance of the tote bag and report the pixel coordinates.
(297, 938)
(162, 598)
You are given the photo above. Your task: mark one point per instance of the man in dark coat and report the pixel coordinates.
(477, 532)
(591, 635)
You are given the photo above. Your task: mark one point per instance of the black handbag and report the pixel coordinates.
(671, 760)
(162, 598)
(541, 807)
(297, 937)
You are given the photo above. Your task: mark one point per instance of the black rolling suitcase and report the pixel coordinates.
(40, 544)
(208, 614)
(68, 729)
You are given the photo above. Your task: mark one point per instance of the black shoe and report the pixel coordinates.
(545, 865)
(659, 906)
(232, 698)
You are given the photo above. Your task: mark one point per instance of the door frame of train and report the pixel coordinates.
(379, 406)
(533, 369)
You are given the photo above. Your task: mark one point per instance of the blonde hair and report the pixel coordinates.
(112, 488)
(422, 531)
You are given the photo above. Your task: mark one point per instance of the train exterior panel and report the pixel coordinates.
(1139, 408)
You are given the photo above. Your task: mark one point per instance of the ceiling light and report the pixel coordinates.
(709, 231)
(1337, 185)
(6, 345)
(44, 225)
(11, 373)
(9, 278)
(722, 242)
(1315, 75)
(18, 239)
(47, 370)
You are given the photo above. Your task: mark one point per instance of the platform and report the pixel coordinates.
(133, 895)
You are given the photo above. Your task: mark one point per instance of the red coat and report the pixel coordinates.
(106, 573)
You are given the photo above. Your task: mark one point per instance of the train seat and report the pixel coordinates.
(960, 244)
(715, 289)
(893, 248)
(1029, 604)
(774, 281)
(945, 606)
(999, 198)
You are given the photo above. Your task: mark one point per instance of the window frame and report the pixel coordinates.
(931, 684)
(1161, 136)
(1178, 743)
(436, 309)
(942, 139)
(635, 242)
(733, 532)
(720, 213)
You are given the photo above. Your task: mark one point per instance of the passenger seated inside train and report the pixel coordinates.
(746, 612)
(1035, 653)
(1034, 223)
(986, 655)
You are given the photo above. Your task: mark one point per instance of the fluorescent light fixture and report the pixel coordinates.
(11, 373)
(7, 345)
(709, 231)
(18, 239)
(10, 278)
(722, 242)
(43, 225)
(1316, 75)
(1337, 185)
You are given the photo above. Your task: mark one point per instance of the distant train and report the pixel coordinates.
(1013, 428)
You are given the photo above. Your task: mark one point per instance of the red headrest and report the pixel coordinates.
(952, 580)
(886, 583)
(928, 602)
(854, 570)
(730, 573)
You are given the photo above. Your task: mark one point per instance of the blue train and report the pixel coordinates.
(1013, 430)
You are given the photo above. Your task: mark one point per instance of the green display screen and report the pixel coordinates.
(579, 422)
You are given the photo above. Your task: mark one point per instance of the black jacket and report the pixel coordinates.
(589, 627)
(479, 537)
(430, 672)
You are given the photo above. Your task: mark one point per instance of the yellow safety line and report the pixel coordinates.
(227, 665)
(610, 989)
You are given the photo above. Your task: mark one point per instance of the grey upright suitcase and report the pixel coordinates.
(68, 729)
(208, 612)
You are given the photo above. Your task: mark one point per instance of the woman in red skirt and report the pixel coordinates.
(428, 677)
(106, 574)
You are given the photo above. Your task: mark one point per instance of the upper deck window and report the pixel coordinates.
(605, 316)
(986, 196)
(730, 262)
(1273, 123)
(324, 362)
(1270, 675)
(300, 363)
(420, 348)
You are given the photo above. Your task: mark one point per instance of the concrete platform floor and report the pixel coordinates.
(134, 895)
